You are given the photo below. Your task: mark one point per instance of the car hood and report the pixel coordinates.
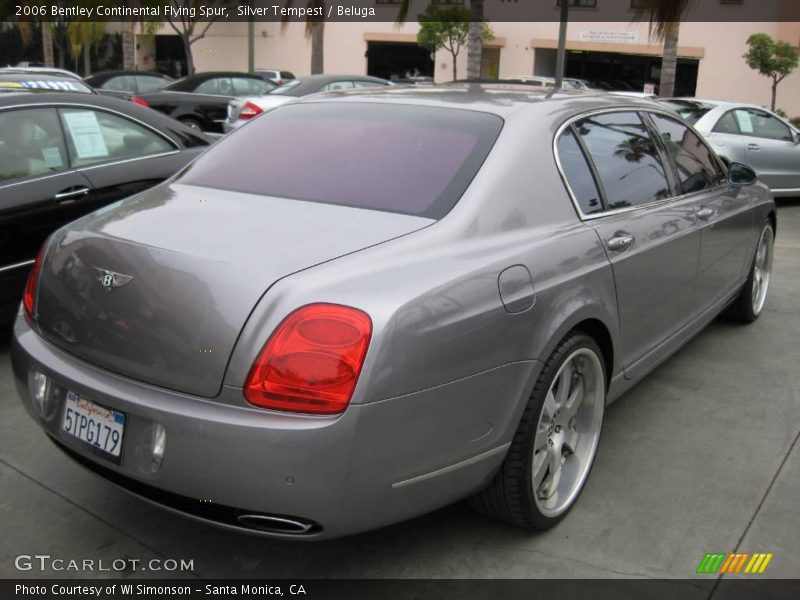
(158, 287)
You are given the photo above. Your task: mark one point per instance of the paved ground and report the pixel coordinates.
(702, 456)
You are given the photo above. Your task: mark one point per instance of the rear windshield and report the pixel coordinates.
(406, 159)
(691, 111)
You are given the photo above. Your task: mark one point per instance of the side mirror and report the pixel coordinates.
(796, 137)
(741, 175)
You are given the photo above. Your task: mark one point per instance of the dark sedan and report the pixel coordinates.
(201, 100)
(63, 155)
(128, 84)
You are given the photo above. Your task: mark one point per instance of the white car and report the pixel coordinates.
(241, 110)
(748, 134)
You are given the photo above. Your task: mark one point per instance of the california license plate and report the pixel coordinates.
(96, 425)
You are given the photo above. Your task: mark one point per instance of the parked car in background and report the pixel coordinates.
(749, 134)
(643, 95)
(63, 155)
(276, 76)
(200, 101)
(242, 110)
(127, 84)
(15, 80)
(388, 309)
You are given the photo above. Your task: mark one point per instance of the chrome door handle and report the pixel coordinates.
(620, 242)
(754, 147)
(71, 194)
(705, 213)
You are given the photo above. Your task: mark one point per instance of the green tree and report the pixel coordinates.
(665, 24)
(774, 59)
(447, 28)
(475, 36)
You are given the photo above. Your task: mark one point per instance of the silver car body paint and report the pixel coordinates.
(459, 334)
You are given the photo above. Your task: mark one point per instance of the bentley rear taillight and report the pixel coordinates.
(312, 361)
(249, 110)
(139, 101)
(29, 295)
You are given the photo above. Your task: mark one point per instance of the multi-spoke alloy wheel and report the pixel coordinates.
(568, 432)
(762, 267)
(554, 447)
(753, 295)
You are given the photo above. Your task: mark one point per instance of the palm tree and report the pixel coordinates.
(665, 23)
(82, 36)
(315, 31)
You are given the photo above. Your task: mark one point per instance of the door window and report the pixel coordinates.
(338, 85)
(97, 136)
(218, 86)
(626, 159)
(149, 83)
(244, 86)
(368, 84)
(31, 144)
(761, 124)
(695, 164)
(121, 83)
(578, 174)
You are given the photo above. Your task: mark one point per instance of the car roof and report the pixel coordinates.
(104, 75)
(21, 81)
(41, 71)
(500, 99)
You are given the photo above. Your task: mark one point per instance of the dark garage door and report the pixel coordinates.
(397, 60)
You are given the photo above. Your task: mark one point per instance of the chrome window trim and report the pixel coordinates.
(19, 265)
(606, 213)
(126, 160)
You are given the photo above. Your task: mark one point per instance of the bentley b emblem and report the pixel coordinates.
(111, 280)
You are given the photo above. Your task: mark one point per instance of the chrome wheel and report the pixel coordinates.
(568, 432)
(762, 268)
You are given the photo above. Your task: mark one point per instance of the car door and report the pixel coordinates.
(39, 192)
(770, 147)
(119, 156)
(723, 212)
(651, 238)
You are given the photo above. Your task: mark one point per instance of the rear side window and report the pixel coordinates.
(405, 159)
(696, 166)
(727, 124)
(31, 144)
(578, 174)
(626, 159)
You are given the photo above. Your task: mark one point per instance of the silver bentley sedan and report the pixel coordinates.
(421, 295)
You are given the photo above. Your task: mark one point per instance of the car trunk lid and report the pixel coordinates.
(158, 287)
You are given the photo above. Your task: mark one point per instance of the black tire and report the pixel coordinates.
(192, 123)
(742, 309)
(510, 496)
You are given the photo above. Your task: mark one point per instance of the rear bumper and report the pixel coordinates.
(373, 465)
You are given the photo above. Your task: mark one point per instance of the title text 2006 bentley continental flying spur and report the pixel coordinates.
(419, 296)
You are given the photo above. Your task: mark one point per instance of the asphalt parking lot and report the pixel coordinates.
(702, 456)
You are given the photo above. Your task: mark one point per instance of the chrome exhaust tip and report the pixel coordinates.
(275, 524)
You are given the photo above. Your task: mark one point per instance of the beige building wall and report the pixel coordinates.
(722, 74)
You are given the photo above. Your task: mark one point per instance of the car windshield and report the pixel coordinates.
(691, 111)
(42, 84)
(406, 159)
